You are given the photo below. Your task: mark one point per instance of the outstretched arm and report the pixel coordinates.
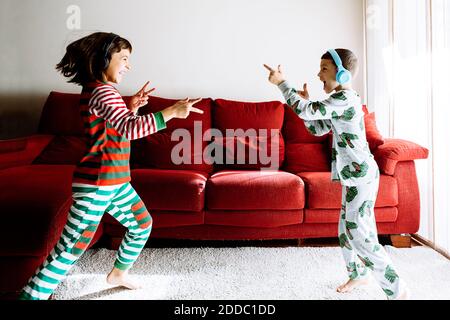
(299, 100)
(107, 103)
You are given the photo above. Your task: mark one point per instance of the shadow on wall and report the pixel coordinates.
(19, 114)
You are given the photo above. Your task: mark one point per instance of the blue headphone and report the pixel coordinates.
(343, 76)
(105, 49)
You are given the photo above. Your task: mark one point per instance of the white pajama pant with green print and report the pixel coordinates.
(89, 204)
(359, 241)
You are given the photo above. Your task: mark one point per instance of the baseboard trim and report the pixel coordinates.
(430, 244)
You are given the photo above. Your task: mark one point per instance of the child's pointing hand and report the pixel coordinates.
(276, 75)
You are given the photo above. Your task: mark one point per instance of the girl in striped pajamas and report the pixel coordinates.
(352, 164)
(101, 181)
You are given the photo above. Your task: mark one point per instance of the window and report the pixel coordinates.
(408, 68)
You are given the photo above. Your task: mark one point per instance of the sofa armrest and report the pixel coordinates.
(22, 151)
(394, 150)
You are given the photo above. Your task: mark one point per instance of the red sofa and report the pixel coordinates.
(199, 201)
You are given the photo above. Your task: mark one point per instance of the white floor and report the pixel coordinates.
(250, 273)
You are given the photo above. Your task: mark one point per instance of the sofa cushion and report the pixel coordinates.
(322, 193)
(155, 151)
(63, 150)
(307, 157)
(170, 190)
(61, 115)
(294, 130)
(254, 219)
(373, 135)
(248, 152)
(252, 125)
(254, 190)
(161, 219)
(387, 214)
(35, 201)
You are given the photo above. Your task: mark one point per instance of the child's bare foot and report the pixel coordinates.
(351, 284)
(121, 278)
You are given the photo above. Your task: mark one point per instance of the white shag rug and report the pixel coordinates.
(288, 273)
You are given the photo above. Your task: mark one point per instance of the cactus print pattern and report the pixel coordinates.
(341, 114)
(362, 253)
(360, 170)
(346, 140)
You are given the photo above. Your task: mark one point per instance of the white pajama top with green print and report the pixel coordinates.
(352, 163)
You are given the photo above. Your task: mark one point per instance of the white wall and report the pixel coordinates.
(204, 48)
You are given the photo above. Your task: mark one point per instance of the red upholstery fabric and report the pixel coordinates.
(249, 152)
(63, 150)
(23, 151)
(161, 219)
(256, 219)
(408, 220)
(164, 190)
(61, 115)
(307, 157)
(395, 150)
(388, 214)
(154, 151)
(13, 145)
(373, 136)
(322, 193)
(35, 201)
(254, 190)
(230, 114)
(294, 130)
(256, 119)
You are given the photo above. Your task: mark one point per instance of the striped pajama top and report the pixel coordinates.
(109, 126)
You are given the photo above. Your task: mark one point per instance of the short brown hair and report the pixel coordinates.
(349, 60)
(84, 60)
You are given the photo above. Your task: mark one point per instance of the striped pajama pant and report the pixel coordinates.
(89, 204)
(359, 240)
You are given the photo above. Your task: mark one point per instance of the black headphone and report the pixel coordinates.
(105, 48)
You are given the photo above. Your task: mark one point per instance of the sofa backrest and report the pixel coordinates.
(155, 151)
(304, 152)
(61, 115)
(298, 150)
(254, 139)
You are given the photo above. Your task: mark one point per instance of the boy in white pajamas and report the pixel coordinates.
(352, 164)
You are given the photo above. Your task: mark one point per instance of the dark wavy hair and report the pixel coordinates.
(349, 60)
(84, 60)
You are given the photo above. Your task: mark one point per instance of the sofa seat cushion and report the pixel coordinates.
(161, 219)
(387, 214)
(254, 190)
(34, 201)
(322, 193)
(172, 190)
(254, 219)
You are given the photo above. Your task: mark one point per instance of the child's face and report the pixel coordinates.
(118, 66)
(327, 75)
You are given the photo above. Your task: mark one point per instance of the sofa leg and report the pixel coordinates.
(401, 240)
